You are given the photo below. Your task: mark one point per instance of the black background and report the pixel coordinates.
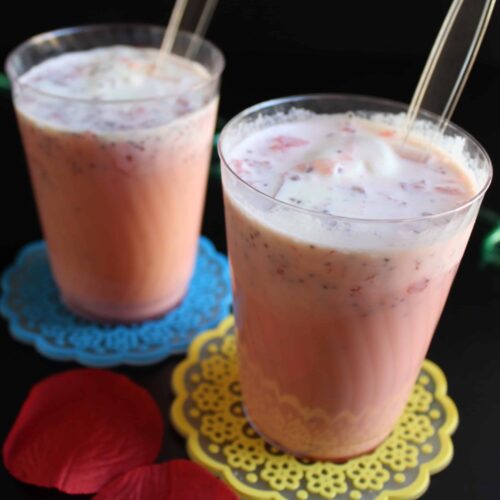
(283, 47)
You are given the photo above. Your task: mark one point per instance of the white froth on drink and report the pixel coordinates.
(120, 81)
(339, 167)
(344, 166)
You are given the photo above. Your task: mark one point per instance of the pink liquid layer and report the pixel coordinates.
(330, 343)
(121, 218)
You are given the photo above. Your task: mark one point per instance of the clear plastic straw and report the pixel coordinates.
(171, 32)
(450, 60)
(201, 26)
(174, 24)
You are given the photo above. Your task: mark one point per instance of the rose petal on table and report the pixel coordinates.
(173, 480)
(79, 429)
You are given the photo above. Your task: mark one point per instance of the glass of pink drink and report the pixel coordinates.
(344, 240)
(118, 153)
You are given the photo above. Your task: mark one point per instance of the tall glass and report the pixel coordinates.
(120, 203)
(331, 335)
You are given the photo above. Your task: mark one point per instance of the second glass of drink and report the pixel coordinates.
(118, 150)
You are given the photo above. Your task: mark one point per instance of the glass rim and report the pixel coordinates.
(360, 98)
(85, 28)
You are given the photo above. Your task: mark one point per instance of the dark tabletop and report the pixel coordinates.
(268, 55)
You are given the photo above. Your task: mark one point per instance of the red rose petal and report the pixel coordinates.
(174, 480)
(79, 429)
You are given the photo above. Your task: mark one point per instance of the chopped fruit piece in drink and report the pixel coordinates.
(348, 129)
(452, 190)
(387, 133)
(322, 166)
(258, 164)
(413, 186)
(238, 167)
(284, 142)
(418, 286)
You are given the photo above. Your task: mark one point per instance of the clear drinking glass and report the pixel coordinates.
(120, 200)
(331, 336)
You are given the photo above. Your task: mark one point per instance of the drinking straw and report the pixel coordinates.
(201, 26)
(173, 28)
(170, 32)
(450, 60)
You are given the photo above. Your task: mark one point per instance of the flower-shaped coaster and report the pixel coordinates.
(208, 411)
(31, 304)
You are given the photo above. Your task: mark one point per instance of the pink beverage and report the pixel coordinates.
(118, 155)
(344, 241)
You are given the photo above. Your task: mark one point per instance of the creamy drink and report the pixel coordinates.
(344, 240)
(118, 154)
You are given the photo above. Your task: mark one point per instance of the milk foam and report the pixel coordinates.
(111, 88)
(341, 168)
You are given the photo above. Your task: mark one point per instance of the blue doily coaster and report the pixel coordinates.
(31, 304)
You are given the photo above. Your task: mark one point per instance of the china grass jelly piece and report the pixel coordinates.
(174, 480)
(79, 429)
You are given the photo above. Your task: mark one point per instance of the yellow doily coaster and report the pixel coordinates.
(208, 412)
